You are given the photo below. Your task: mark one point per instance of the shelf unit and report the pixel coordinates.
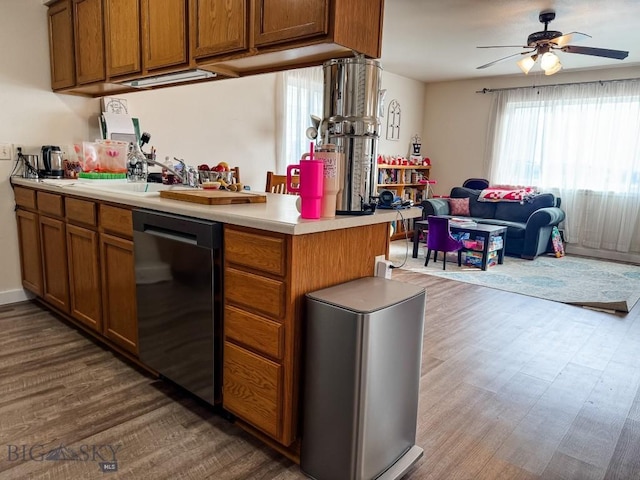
(404, 182)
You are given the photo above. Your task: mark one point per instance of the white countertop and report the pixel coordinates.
(278, 214)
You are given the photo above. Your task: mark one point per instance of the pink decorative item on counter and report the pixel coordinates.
(311, 186)
(332, 181)
(105, 156)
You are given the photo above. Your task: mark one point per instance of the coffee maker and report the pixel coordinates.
(51, 162)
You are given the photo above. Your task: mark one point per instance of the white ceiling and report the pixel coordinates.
(436, 40)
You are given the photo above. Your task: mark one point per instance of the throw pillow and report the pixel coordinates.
(459, 206)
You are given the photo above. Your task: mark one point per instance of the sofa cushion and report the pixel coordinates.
(514, 229)
(520, 212)
(459, 206)
(477, 209)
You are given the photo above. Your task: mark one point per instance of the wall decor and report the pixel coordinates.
(393, 121)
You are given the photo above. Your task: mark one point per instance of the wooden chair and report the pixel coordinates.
(278, 183)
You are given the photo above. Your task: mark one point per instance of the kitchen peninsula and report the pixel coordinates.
(77, 258)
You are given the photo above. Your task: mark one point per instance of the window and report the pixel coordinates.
(582, 142)
(299, 96)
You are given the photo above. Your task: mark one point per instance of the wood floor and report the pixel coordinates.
(512, 387)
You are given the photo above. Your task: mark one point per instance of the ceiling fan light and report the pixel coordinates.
(549, 61)
(555, 69)
(527, 64)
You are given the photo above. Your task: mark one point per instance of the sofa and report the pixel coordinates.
(529, 221)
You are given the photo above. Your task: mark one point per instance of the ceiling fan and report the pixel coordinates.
(541, 45)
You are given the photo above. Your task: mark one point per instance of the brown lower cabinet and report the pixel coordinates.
(266, 276)
(54, 262)
(87, 256)
(119, 292)
(30, 256)
(84, 276)
(77, 255)
(252, 388)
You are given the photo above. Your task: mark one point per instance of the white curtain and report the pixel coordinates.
(582, 143)
(299, 95)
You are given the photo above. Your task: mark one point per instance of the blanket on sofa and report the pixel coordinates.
(506, 194)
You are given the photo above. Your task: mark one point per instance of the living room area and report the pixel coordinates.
(571, 136)
(516, 386)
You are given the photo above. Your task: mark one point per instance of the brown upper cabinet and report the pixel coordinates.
(120, 40)
(218, 27)
(164, 33)
(122, 32)
(88, 27)
(63, 69)
(276, 21)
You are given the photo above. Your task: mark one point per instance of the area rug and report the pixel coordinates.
(587, 282)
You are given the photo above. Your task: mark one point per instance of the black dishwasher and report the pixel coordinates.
(178, 287)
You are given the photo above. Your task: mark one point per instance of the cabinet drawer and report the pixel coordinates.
(50, 203)
(81, 211)
(251, 388)
(261, 252)
(25, 197)
(116, 220)
(255, 292)
(258, 333)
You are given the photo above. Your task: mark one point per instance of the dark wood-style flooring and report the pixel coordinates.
(512, 387)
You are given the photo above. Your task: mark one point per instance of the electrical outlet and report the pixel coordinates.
(6, 151)
(383, 269)
(379, 258)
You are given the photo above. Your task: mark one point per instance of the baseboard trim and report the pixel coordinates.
(15, 296)
(603, 254)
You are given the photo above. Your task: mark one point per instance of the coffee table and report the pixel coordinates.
(481, 229)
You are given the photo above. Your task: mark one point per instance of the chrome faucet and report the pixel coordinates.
(168, 167)
(185, 174)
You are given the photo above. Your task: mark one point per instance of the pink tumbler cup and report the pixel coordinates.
(310, 188)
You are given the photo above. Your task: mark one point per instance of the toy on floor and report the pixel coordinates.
(556, 241)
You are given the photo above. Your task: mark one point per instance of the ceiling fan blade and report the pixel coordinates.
(598, 52)
(566, 39)
(505, 46)
(504, 58)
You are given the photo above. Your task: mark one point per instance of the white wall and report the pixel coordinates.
(30, 115)
(230, 120)
(456, 120)
(233, 120)
(410, 94)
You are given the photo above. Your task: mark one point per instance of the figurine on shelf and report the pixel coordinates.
(416, 145)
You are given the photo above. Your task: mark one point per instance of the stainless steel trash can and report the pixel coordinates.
(363, 349)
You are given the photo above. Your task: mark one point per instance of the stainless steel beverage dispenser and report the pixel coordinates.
(351, 122)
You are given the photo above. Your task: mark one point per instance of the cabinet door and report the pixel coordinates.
(218, 27)
(30, 256)
(120, 317)
(54, 261)
(84, 276)
(61, 50)
(277, 21)
(164, 33)
(89, 40)
(252, 389)
(122, 36)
